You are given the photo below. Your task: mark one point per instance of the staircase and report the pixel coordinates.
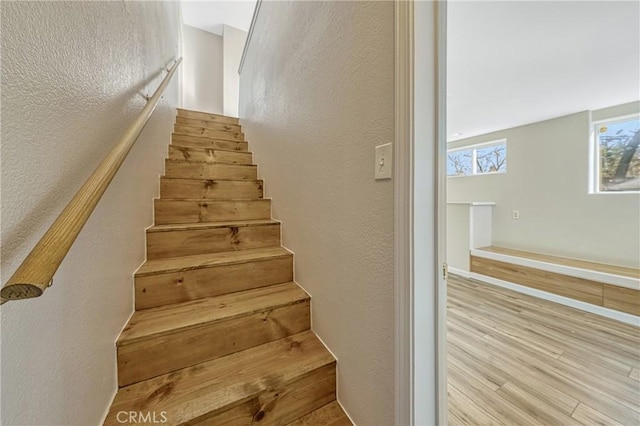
(221, 333)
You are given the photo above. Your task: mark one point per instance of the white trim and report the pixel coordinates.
(474, 160)
(593, 166)
(477, 174)
(328, 350)
(442, 410)
(583, 306)
(594, 153)
(403, 213)
(473, 203)
(425, 264)
(115, 356)
(345, 412)
(587, 274)
(477, 145)
(616, 119)
(256, 11)
(318, 335)
(616, 192)
(461, 272)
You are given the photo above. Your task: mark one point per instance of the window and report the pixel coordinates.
(617, 155)
(481, 159)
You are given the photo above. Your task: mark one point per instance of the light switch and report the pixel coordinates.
(515, 214)
(384, 160)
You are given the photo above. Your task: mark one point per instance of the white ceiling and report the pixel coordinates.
(212, 15)
(512, 63)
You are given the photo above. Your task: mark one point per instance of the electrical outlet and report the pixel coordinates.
(515, 214)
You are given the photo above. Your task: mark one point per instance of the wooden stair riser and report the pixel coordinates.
(194, 122)
(155, 356)
(204, 155)
(197, 115)
(186, 242)
(177, 188)
(183, 169)
(281, 404)
(197, 142)
(176, 287)
(203, 132)
(198, 211)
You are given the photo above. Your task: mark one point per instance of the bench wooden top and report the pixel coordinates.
(575, 263)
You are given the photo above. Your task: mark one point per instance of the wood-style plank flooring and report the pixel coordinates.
(517, 360)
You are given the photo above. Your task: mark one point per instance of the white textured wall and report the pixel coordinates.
(233, 40)
(72, 78)
(316, 97)
(458, 236)
(547, 180)
(202, 71)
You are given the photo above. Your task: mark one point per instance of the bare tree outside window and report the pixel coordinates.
(478, 160)
(460, 163)
(619, 155)
(491, 159)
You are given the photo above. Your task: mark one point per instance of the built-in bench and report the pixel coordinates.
(608, 286)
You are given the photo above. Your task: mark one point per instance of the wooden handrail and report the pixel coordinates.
(254, 18)
(36, 272)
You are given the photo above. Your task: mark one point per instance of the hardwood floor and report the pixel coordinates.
(517, 360)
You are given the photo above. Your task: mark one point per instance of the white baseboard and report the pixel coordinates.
(460, 272)
(583, 306)
(346, 413)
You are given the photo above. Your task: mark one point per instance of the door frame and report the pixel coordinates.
(420, 192)
(441, 209)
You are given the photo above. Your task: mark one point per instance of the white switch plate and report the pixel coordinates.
(515, 214)
(384, 160)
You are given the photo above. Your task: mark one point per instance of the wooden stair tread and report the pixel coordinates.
(181, 316)
(209, 225)
(328, 415)
(213, 200)
(197, 391)
(175, 264)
